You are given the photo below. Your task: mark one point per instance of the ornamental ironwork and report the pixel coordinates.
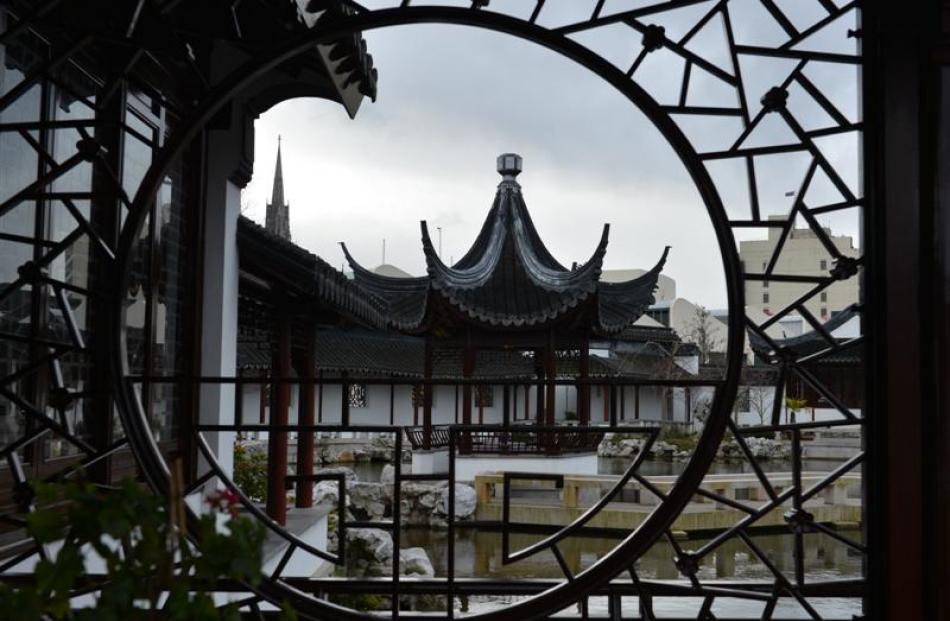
(98, 111)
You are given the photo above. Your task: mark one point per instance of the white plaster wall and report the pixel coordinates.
(468, 466)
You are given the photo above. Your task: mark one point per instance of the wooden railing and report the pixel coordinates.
(519, 440)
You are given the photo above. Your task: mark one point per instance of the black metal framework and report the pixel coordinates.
(786, 89)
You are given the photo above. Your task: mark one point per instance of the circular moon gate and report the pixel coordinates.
(636, 543)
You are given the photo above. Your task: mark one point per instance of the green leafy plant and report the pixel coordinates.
(250, 472)
(570, 415)
(152, 570)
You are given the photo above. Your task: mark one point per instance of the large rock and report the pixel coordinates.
(414, 562)
(369, 501)
(464, 501)
(388, 474)
(369, 552)
(426, 504)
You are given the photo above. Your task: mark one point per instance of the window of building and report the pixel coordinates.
(765, 284)
(823, 265)
(824, 296)
(484, 396)
(765, 298)
(357, 396)
(824, 312)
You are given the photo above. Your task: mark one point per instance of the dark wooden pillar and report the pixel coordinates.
(345, 400)
(623, 403)
(306, 416)
(583, 388)
(527, 401)
(613, 405)
(468, 367)
(636, 402)
(277, 440)
(506, 409)
(320, 398)
(263, 399)
(392, 404)
(605, 390)
(427, 396)
(550, 373)
(539, 387)
(689, 404)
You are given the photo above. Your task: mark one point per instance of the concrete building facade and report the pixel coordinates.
(802, 252)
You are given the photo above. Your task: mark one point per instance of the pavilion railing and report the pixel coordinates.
(520, 440)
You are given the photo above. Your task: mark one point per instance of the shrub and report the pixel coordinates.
(141, 540)
(250, 472)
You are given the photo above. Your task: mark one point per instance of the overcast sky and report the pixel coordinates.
(452, 98)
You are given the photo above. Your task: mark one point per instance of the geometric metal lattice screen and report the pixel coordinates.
(761, 99)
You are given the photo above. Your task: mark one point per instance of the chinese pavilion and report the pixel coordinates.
(509, 293)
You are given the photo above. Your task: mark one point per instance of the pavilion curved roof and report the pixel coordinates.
(509, 279)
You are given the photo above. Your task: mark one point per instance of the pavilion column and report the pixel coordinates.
(550, 372)
(392, 404)
(613, 405)
(277, 440)
(468, 368)
(506, 410)
(539, 387)
(306, 416)
(689, 404)
(583, 388)
(345, 400)
(427, 396)
(636, 402)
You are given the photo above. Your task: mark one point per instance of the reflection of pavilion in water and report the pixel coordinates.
(478, 554)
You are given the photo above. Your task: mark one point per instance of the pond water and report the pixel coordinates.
(478, 554)
(660, 467)
(370, 471)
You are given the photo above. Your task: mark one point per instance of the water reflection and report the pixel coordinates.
(478, 554)
(655, 467)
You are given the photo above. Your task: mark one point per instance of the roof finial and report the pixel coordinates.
(509, 165)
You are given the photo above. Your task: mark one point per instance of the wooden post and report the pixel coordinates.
(539, 388)
(392, 404)
(427, 396)
(623, 403)
(468, 367)
(550, 373)
(506, 410)
(583, 389)
(307, 412)
(345, 400)
(606, 392)
(613, 405)
(689, 404)
(636, 402)
(262, 398)
(527, 401)
(277, 440)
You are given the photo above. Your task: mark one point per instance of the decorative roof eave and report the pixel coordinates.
(394, 292)
(309, 275)
(622, 303)
(809, 342)
(496, 320)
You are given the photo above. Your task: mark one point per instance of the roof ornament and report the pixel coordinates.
(509, 166)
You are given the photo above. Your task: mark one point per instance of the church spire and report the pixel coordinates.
(278, 211)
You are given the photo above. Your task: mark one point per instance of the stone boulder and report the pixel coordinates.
(369, 552)
(369, 501)
(414, 562)
(465, 500)
(387, 475)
